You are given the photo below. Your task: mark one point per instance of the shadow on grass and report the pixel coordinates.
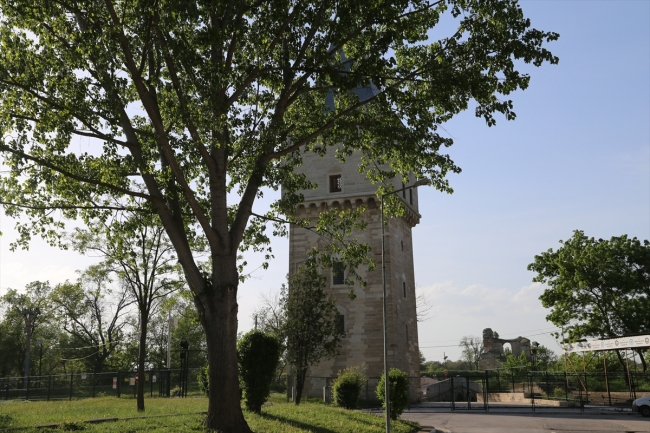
(298, 424)
(347, 417)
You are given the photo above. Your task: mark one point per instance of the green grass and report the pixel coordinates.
(277, 416)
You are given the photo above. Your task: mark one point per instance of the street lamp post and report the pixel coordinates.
(534, 352)
(383, 277)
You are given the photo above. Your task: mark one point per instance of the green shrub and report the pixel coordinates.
(559, 393)
(347, 387)
(258, 355)
(399, 391)
(204, 380)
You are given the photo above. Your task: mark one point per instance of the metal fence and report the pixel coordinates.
(122, 384)
(539, 389)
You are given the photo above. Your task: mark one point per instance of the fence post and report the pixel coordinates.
(486, 391)
(49, 387)
(512, 377)
(119, 384)
(71, 379)
(150, 383)
(566, 387)
(7, 389)
(498, 381)
(548, 392)
(27, 389)
(452, 391)
(586, 389)
(532, 388)
(94, 380)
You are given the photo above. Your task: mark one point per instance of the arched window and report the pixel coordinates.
(404, 287)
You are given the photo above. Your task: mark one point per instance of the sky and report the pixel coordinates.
(576, 158)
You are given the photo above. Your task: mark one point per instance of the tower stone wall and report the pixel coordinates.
(362, 343)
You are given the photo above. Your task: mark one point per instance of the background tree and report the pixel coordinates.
(422, 305)
(472, 348)
(92, 315)
(310, 329)
(545, 358)
(13, 336)
(182, 102)
(137, 250)
(597, 288)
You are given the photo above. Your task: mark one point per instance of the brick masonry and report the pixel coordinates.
(363, 318)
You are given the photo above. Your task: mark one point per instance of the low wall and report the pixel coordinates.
(521, 398)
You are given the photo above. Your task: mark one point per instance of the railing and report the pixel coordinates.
(78, 385)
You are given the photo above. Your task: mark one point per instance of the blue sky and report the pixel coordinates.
(576, 157)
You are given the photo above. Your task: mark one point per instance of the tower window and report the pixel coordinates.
(336, 183)
(411, 196)
(404, 287)
(338, 274)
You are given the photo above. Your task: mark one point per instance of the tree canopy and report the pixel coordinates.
(597, 288)
(179, 103)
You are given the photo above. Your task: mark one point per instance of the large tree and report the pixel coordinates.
(182, 102)
(597, 288)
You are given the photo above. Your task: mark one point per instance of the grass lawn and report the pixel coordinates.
(277, 416)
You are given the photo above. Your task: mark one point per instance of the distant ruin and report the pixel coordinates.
(493, 355)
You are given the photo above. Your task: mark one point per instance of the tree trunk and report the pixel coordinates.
(300, 384)
(142, 354)
(217, 306)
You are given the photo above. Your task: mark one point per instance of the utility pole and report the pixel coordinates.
(29, 314)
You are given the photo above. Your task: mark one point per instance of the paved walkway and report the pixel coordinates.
(515, 421)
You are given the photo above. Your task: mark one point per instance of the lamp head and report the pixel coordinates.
(421, 182)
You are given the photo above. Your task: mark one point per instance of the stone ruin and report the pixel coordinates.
(493, 355)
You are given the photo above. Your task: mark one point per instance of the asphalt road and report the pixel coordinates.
(514, 422)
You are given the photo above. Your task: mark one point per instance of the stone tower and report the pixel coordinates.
(342, 186)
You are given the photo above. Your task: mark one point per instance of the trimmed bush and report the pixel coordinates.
(347, 387)
(258, 355)
(399, 391)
